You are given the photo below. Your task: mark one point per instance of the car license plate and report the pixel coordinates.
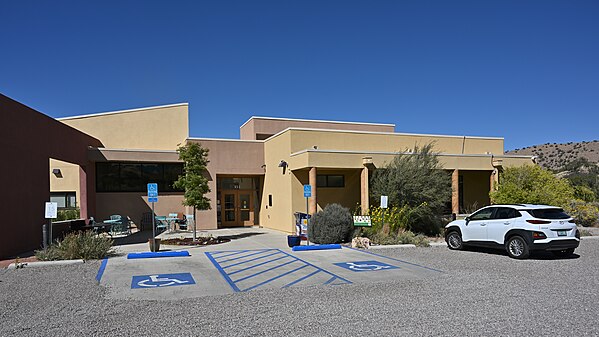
(562, 233)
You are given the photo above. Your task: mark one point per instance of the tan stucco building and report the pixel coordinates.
(258, 179)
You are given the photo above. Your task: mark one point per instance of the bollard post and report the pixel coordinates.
(45, 235)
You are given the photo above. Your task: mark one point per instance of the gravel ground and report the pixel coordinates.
(482, 293)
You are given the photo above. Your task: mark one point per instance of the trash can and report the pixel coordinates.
(301, 222)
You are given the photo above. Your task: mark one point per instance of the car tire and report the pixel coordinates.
(517, 247)
(454, 240)
(563, 253)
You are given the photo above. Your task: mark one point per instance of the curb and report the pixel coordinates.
(432, 244)
(43, 264)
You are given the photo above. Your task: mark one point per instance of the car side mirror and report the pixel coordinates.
(467, 220)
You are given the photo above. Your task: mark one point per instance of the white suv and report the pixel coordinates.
(519, 228)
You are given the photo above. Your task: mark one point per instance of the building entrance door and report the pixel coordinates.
(237, 208)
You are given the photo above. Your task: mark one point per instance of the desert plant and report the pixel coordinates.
(403, 237)
(417, 180)
(585, 213)
(334, 224)
(78, 245)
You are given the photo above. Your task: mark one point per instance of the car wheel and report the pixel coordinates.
(563, 253)
(517, 247)
(454, 241)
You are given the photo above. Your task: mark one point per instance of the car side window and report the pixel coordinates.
(506, 213)
(483, 214)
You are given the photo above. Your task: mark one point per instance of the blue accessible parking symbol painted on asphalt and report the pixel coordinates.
(161, 280)
(366, 266)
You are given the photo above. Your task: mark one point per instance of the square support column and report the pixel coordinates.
(312, 201)
(364, 191)
(455, 192)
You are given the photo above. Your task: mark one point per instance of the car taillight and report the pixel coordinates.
(538, 235)
(538, 222)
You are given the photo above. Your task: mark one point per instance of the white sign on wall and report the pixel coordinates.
(384, 199)
(51, 210)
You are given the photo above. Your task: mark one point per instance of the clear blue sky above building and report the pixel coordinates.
(524, 70)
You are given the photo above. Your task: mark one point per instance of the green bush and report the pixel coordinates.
(334, 224)
(67, 214)
(585, 213)
(78, 245)
(403, 237)
(416, 180)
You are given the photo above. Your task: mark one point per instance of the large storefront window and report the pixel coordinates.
(134, 177)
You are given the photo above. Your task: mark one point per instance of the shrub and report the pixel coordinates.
(403, 237)
(418, 181)
(585, 213)
(334, 224)
(79, 245)
(67, 214)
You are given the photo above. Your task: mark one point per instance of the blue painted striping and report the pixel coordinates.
(335, 280)
(101, 270)
(243, 257)
(263, 271)
(222, 272)
(258, 265)
(251, 260)
(150, 255)
(316, 247)
(276, 277)
(302, 278)
(230, 254)
(394, 259)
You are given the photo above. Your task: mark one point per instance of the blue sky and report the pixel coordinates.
(524, 70)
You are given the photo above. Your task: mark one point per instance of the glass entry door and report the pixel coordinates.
(237, 208)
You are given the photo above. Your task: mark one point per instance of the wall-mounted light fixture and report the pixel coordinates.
(284, 165)
(57, 173)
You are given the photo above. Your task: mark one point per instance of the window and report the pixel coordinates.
(549, 213)
(64, 199)
(330, 181)
(134, 177)
(506, 213)
(483, 214)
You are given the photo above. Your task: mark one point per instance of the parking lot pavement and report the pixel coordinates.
(245, 266)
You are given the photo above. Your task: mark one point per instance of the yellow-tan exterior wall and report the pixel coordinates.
(153, 128)
(69, 182)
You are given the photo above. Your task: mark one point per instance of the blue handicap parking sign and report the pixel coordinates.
(366, 266)
(307, 191)
(161, 280)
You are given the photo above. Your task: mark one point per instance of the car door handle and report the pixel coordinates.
(507, 223)
(483, 224)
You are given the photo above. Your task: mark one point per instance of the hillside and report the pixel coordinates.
(556, 156)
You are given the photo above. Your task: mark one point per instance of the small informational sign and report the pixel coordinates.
(366, 266)
(161, 280)
(152, 199)
(384, 200)
(307, 191)
(362, 221)
(51, 210)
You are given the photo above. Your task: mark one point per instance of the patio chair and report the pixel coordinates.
(161, 224)
(121, 226)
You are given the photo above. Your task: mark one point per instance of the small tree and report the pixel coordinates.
(193, 181)
(417, 181)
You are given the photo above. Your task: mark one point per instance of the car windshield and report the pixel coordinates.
(549, 213)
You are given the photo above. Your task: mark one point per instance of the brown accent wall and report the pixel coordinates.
(27, 142)
(232, 158)
(476, 189)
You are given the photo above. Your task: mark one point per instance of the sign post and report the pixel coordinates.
(153, 197)
(384, 200)
(51, 213)
(307, 194)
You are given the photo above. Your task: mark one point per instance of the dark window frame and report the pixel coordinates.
(324, 181)
(114, 181)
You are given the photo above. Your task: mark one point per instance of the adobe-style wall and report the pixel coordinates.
(257, 126)
(27, 142)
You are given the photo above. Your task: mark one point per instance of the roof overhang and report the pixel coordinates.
(133, 155)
